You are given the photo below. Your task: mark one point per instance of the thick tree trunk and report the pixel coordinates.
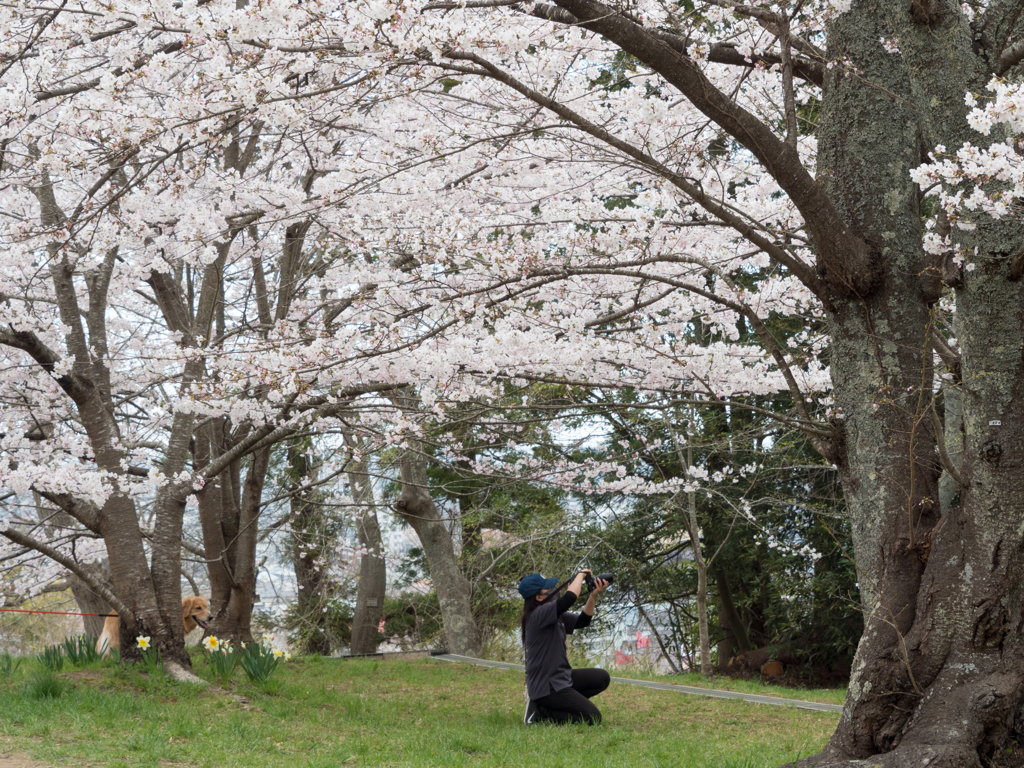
(417, 508)
(938, 678)
(310, 543)
(729, 617)
(236, 621)
(372, 570)
(229, 514)
(939, 682)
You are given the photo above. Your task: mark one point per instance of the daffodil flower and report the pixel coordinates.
(211, 643)
(142, 642)
(278, 653)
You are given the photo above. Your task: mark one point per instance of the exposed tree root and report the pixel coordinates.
(175, 671)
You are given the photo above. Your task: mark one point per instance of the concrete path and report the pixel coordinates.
(708, 692)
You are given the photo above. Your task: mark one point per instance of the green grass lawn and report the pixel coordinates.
(327, 713)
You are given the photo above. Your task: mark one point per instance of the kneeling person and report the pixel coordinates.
(556, 692)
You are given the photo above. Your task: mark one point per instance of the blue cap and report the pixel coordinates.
(534, 583)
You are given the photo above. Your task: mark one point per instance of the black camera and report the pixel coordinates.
(590, 580)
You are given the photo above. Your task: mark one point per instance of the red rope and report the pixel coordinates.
(58, 613)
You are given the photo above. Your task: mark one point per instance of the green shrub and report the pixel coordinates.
(327, 627)
(47, 686)
(413, 617)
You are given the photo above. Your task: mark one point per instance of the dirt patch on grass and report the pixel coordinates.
(20, 761)
(87, 675)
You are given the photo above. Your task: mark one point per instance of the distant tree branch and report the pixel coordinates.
(72, 565)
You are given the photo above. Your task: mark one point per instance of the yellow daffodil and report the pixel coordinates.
(211, 643)
(278, 653)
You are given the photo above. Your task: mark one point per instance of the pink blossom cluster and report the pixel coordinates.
(379, 202)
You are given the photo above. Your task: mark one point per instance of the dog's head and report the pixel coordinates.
(195, 612)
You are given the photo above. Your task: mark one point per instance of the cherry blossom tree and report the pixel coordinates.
(449, 197)
(117, 308)
(789, 141)
(792, 150)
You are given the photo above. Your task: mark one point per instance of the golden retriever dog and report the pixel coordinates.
(195, 612)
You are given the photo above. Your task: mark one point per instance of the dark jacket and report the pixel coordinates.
(547, 666)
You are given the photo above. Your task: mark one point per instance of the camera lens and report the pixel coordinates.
(591, 583)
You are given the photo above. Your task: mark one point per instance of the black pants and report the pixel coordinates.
(573, 705)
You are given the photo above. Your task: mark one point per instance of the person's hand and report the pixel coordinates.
(600, 585)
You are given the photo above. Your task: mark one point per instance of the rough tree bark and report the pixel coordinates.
(938, 678)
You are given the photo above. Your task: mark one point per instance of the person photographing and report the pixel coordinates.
(555, 691)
